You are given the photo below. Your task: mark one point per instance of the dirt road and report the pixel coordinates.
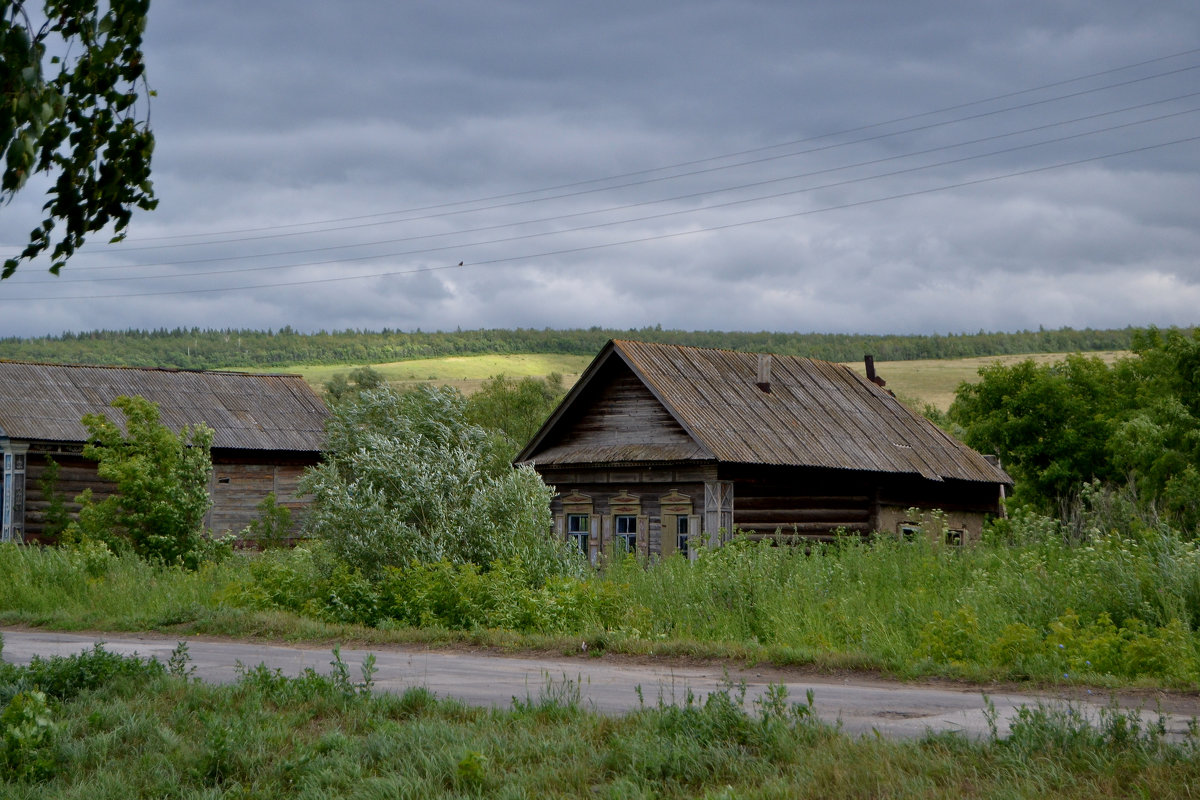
(607, 685)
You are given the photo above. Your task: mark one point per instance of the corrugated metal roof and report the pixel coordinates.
(45, 402)
(817, 414)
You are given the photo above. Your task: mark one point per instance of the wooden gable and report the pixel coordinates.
(615, 418)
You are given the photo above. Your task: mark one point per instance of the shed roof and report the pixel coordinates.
(816, 414)
(45, 402)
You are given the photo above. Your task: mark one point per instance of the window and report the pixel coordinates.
(681, 535)
(954, 536)
(626, 533)
(909, 531)
(578, 532)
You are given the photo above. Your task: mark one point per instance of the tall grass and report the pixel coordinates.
(1116, 606)
(1100, 603)
(89, 587)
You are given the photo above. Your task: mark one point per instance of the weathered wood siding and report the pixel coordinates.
(238, 484)
(624, 413)
(75, 474)
(609, 490)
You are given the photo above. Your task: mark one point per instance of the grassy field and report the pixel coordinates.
(932, 381)
(466, 373)
(935, 380)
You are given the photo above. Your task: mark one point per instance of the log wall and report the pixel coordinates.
(239, 482)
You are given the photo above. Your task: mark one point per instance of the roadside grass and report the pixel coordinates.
(127, 728)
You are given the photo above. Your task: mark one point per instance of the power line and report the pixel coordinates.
(690, 196)
(683, 164)
(640, 240)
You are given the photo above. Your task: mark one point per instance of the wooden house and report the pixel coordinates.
(659, 447)
(267, 429)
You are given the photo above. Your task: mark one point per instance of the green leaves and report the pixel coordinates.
(1056, 426)
(408, 478)
(161, 484)
(81, 124)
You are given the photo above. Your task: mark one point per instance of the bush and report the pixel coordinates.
(407, 479)
(161, 484)
(26, 733)
(271, 527)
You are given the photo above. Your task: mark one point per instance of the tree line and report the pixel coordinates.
(196, 348)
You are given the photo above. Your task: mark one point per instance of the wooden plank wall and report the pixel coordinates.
(238, 488)
(234, 502)
(782, 504)
(75, 473)
(626, 413)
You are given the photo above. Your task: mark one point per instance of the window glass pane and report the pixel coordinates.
(577, 523)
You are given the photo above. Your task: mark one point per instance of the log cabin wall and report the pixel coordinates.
(788, 505)
(809, 504)
(239, 482)
(75, 474)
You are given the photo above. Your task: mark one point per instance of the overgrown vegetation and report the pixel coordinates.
(1106, 599)
(161, 485)
(103, 726)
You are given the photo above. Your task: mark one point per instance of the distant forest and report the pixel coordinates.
(211, 349)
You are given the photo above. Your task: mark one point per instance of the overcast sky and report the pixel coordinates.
(876, 167)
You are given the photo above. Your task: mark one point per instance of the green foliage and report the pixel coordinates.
(516, 408)
(55, 518)
(1058, 426)
(318, 735)
(1049, 423)
(26, 732)
(406, 478)
(161, 482)
(271, 528)
(82, 125)
(66, 677)
(438, 595)
(340, 388)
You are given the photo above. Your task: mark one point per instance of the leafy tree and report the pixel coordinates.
(340, 387)
(81, 125)
(516, 409)
(1057, 426)
(406, 478)
(271, 528)
(161, 481)
(1050, 423)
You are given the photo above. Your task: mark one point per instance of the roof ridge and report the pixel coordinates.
(725, 350)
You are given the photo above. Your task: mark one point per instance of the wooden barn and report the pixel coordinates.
(659, 447)
(267, 429)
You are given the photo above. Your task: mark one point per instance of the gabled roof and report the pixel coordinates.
(45, 402)
(816, 414)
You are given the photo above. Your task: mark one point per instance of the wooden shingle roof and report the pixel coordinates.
(816, 414)
(45, 402)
